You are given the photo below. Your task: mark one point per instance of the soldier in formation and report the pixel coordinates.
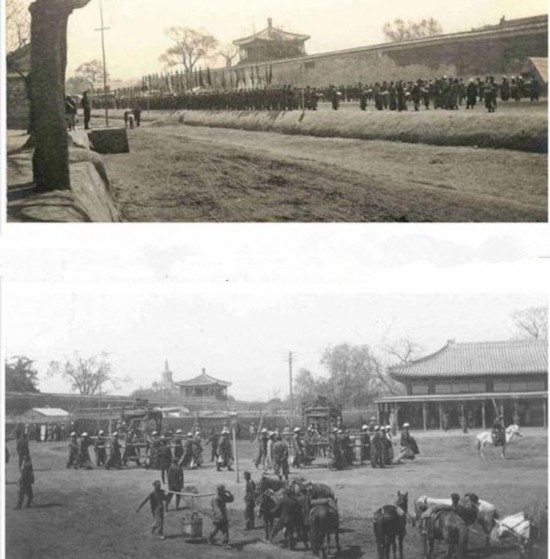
(72, 460)
(114, 458)
(100, 448)
(225, 452)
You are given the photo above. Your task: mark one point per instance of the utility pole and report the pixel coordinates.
(103, 29)
(290, 357)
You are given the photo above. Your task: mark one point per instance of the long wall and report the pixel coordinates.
(498, 50)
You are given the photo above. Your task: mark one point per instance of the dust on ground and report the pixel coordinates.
(90, 514)
(176, 173)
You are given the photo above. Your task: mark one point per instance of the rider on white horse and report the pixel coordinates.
(499, 434)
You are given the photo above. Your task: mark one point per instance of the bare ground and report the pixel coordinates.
(90, 514)
(180, 173)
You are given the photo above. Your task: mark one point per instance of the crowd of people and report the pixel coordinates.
(448, 93)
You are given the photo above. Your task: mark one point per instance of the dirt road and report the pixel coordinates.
(181, 173)
(89, 514)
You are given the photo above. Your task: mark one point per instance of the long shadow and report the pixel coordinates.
(350, 552)
(240, 545)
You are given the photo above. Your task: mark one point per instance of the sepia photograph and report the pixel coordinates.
(317, 111)
(211, 423)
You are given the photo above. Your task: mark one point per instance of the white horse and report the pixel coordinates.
(486, 438)
(487, 513)
(515, 528)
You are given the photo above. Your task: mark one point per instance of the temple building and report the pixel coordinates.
(203, 388)
(270, 44)
(471, 383)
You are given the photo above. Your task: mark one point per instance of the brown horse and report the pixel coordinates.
(389, 523)
(323, 521)
(446, 525)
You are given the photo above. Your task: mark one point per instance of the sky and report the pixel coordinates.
(137, 38)
(239, 336)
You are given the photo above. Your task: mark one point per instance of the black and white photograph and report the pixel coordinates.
(274, 279)
(317, 111)
(274, 424)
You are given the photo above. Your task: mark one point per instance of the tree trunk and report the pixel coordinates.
(48, 63)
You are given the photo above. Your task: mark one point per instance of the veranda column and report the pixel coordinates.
(483, 421)
(424, 417)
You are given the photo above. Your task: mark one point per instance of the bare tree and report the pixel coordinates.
(400, 30)
(228, 53)
(87, 375)
(532, 322)
(190, 46)
(17, 24)
(402, 351)
(91, 72)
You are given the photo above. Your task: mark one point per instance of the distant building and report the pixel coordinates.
(203, 389)
(270, 44)
(166, 383)
(18, 66)
(475, 381)
(44, 415)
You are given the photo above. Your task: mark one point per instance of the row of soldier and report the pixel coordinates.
(374, 444)
(441, 93)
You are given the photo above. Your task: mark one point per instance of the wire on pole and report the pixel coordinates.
(103, 29)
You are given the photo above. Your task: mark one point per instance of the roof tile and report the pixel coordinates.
(478, 359)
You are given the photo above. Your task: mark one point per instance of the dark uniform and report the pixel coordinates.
(499, 434)
(365, 445)
(115, 459)
(225, 454)
(26, 480)
(376, 449)
(87, 107)
(165, 459)
(72, 461)
(291, 520)
(280, 458)
(22, 448)
(262, 450)
(249, 501)
(84, 460)
(175, 482)
(100, 450)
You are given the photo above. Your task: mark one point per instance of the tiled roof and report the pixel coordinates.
(272, 34)
(50, 411)
(203, 380)
(478, 359)
(539, 65)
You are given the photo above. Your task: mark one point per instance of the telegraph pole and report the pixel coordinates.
(290, 358)
(103, 29)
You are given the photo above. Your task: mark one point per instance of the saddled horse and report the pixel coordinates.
(486, 439)
(389, 523)
(323, 521)
(487, 513)
(517, 529)
(267, 503)
(449, 527)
